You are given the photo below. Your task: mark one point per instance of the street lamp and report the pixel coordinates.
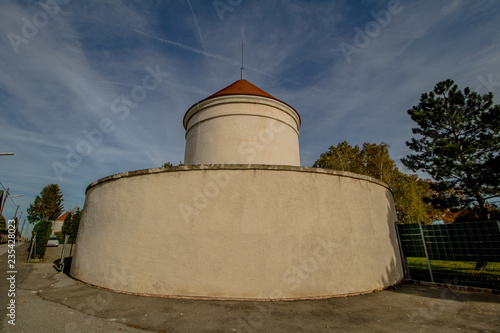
(3, 154)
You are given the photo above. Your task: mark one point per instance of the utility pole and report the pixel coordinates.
(2, 204)
(22, 228)
(17, 220)
(5, 199)
(15, 214)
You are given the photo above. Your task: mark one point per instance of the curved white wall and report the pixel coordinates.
(245, 232)
(242, 130)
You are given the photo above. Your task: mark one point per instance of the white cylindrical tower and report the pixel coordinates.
(242, 124)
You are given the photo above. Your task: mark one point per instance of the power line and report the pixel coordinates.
(10, 197)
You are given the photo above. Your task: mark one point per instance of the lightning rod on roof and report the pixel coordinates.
(242, 58)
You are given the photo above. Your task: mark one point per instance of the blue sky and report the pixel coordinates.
(351, 68)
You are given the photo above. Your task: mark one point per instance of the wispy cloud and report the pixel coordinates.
(64, 80)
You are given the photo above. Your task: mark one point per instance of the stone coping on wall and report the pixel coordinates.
(264, 167)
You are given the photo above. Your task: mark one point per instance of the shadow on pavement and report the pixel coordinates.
(444, 293)
(67, 265)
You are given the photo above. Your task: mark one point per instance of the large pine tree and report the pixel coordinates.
(458, 144)
(47, 206)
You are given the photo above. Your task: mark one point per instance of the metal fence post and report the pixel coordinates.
(406, 269)
(426, 253)
(61, 264)
(33, 244)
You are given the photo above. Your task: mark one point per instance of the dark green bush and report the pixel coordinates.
(42, 230)
(60, 237)
(71, 224)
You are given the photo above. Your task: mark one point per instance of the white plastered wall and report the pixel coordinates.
(242, 130)
(242, 232)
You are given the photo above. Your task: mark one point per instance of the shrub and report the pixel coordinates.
(71, 224)
(42, 230)
(60, 237)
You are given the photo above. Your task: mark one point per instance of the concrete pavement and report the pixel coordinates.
(48, 301)
(4, 247)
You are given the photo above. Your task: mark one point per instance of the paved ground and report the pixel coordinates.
(48, 301)
(4, 247)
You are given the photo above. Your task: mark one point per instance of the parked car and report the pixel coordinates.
(53, 241)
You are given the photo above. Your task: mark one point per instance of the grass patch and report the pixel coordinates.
(456, 272)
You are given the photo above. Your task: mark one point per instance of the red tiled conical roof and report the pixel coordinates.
(62, 217)
(242, 87)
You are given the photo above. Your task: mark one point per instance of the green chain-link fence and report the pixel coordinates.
(459, 253)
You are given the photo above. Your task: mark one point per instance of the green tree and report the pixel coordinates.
(47, 206)
(66, 227)
(458, 144)
(71, 223)
(408, 198)
(42, 230)
(374, 160)
(3, 224)
(436, 211)
(474, 213)
(377, 162)
(344, 157)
